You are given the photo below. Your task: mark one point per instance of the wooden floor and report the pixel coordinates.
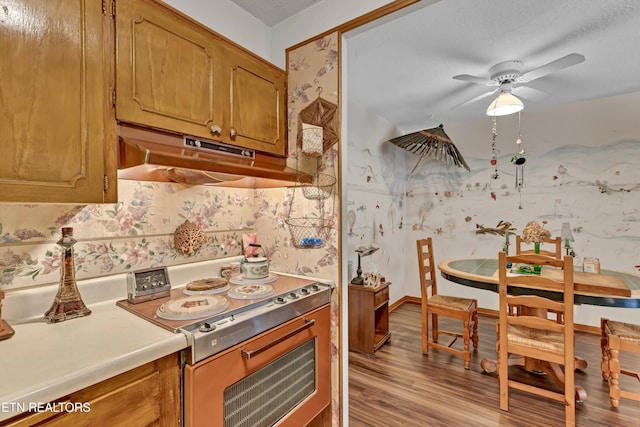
(400, 386)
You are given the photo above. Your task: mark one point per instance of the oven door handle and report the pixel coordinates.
(248, 354)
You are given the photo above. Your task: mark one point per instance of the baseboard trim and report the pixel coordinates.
(491, 313)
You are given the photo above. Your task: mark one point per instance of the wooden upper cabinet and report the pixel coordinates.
(167, 71)
(176, 74)
(57, 130)
(257, 104)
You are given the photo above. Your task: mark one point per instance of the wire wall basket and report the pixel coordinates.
(320, 187)
(309, 233)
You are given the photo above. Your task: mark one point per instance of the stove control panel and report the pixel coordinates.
(210, 336)
(148, 284)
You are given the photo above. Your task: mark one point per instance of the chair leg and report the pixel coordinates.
(434, 327)
(604, 347)
(425, 331)
(466, 327)
(503, 376)
(614, 371)
(570, 407)
(474, 336)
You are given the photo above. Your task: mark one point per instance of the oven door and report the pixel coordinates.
(281, 377)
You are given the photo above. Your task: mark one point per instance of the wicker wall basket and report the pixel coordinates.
(324, 114)
(309, 233)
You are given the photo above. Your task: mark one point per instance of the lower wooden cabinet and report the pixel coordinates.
(145, 396)
(368, 317)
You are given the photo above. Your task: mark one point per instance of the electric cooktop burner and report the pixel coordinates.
(213, 323)
(192, 307)
(250, 291)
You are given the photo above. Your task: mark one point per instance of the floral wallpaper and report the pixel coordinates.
(135, 233)
(138, 232)
(313, 72)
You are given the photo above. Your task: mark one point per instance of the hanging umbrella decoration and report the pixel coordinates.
(434, 143)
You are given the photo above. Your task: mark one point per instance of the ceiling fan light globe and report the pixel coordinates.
(505, 104)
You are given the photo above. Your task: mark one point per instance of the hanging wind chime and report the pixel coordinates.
(494, 154)
(519, 161)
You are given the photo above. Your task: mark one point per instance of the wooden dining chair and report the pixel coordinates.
(531, 334)
(435, 304)
(618, 336)
(545, 247)
(555, 252)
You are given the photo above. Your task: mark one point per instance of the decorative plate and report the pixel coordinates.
(192, 307)
(253, 291)
(206, 292)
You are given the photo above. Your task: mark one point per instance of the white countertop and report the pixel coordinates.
(43, 362)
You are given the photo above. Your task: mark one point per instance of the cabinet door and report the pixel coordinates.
(148, 395)
(166, 69)
(257, 104)
(55, 110)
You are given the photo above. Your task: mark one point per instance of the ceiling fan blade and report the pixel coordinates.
(529, 93)
(475, 99)
(475, 79)
(551, 67)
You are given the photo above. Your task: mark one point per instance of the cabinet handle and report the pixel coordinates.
(233, 132)
(248, 354)
(216, 129)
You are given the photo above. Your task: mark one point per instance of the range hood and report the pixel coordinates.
(154, 155)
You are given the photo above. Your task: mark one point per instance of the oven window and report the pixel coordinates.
(268, 394)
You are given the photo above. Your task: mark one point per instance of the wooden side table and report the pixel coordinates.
(368, 317)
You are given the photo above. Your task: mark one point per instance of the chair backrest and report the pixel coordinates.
(545, 249)
(427, 268)
(529, 292)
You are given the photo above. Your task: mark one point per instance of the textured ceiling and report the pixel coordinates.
(402, 68)
(272, 12)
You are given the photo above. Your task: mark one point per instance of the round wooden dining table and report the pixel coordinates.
(608, 288)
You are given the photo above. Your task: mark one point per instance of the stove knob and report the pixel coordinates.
(304, 291)
(279, 300)
(293, 295)
(315, 288)
(207, 327)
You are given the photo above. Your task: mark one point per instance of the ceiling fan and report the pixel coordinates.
(507, 77)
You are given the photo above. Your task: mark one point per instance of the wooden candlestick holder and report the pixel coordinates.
(6, 331)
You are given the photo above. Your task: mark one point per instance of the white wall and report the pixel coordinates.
(317, 19)
(233, 22)
(375, 198)
(230, 20)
